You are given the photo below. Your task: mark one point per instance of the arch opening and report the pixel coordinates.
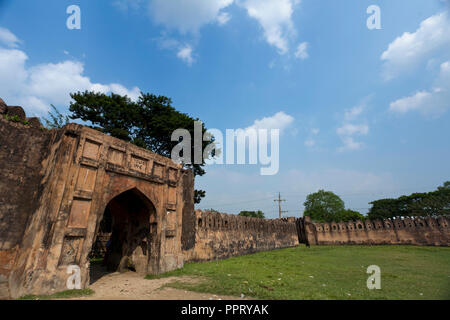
(125, 235)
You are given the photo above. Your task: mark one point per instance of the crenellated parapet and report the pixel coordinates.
(398, 230)
(220, 235)
(215, 221)
(387, 224)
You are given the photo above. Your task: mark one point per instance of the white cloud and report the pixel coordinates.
(184, 51)
(349, 128)
(310, 142)
(302, 51)
(50, 81)
(8, 38)
(346, 133)
(350, 144)
(413, 102)
(125, 5)
(353, 113)
(117, 88)
(185, 54)
(223, 18)
(165, 42)
(433, 102)
(408, 50)
(275, 18)
(36, 87)
(12, 70)
(445, 67)
(280, 121)
(188, 16)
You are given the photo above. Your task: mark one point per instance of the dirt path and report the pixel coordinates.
(131, 286)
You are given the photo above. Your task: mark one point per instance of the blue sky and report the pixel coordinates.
(363, 113)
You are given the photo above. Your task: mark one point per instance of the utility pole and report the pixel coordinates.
(279, 200)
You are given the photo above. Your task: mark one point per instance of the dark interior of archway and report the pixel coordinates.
(127, 225)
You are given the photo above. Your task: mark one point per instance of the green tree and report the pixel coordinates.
(350, 215)
(198, 195)
(253, 214)
(148, 122)
(434, 203)
(56, 119)
(324, 206)
(445, 186)
(211, 210)
(384, 208)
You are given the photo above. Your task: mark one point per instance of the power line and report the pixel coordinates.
(279, 200)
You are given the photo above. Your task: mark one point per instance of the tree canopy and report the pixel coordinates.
(253, 214)
(434, 203)
(149, 122)
(325, 206)
(350, 215)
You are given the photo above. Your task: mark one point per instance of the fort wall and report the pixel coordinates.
(219, 236)
(427, 231)
(23, 149)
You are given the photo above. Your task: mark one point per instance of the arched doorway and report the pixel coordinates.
(129, 224)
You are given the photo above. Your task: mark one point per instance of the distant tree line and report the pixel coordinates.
(253, 214)
(325, 206)
(434, 203)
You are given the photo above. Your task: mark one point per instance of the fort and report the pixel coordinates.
(429, 231)
(65, 192)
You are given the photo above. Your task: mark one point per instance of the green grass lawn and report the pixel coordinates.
(68, 294)
(326, 272)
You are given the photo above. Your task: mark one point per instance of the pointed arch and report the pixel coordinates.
(129, 218)
(148, 199)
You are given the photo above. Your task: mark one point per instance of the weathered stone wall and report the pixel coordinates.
(219, 236)
(408, 231)
(55, 187)
(188, 228)
(23, 147)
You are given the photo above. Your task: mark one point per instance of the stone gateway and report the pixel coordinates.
(58, 186)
